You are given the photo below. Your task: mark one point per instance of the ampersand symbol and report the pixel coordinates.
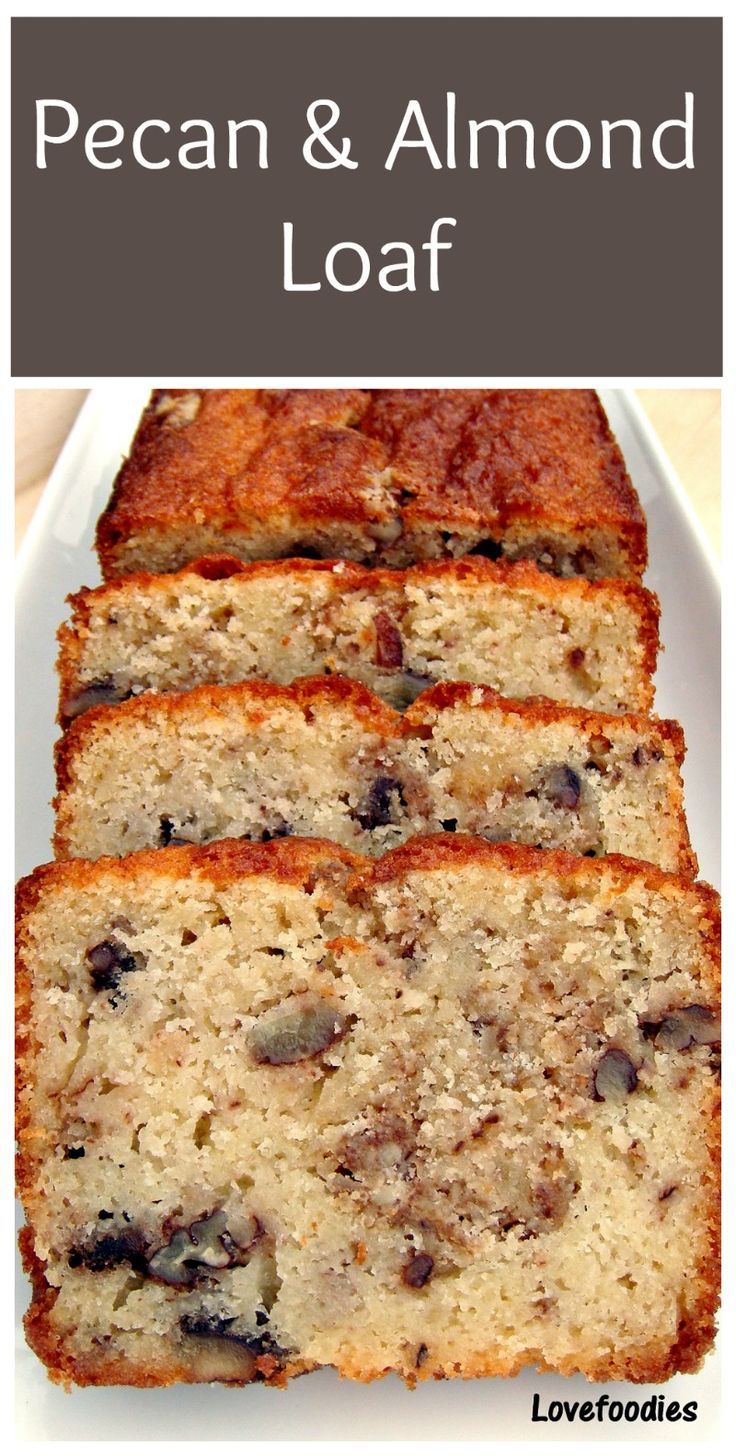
(319, 132)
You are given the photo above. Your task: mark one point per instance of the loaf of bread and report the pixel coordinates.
(382, 476)
(443, 1113)
(507, 625)
(326, 757)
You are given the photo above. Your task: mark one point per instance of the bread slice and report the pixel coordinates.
(382, 476)
(508, 625)
(445, 1113)
(326, 757)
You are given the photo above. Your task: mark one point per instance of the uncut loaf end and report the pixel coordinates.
(384, 476)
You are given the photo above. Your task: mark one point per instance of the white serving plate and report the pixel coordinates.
(56, 559)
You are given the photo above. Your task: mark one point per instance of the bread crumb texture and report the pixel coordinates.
(448, 1112)
(326, 757)
(506, 625)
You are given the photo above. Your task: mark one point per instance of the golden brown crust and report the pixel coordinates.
(294, 860)
(26, 1052)
(445, 695)
(221, 461)
(299, 861)
(429, 852)
(488, 460)
(504, 452)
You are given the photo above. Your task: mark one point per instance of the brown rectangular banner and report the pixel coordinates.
(367, 197)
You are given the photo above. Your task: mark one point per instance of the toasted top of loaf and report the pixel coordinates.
(387, 461)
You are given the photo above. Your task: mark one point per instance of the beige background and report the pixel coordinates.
(688, 422)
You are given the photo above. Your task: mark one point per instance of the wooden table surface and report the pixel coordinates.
(687, 422)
